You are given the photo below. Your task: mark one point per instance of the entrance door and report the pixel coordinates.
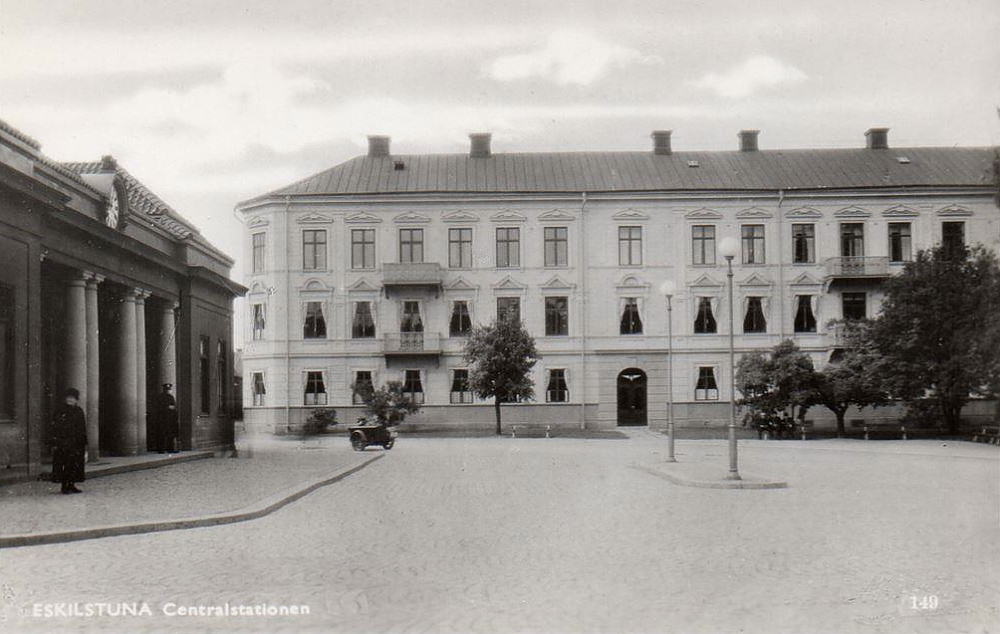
(632, 397)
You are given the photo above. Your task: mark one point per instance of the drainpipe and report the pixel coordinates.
(583, 311)
(288, 308)
(781, 269)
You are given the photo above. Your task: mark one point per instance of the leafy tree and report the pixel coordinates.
(318, 420)
(501, 356)
(774, 384)
(855, 376)
(937, 330)
(389, 403)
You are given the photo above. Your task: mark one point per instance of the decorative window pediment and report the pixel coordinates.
(314, 219)
(805, 280)
(852, 212)
(558, 283)
(804, 212)
(756, 280)
(630, 214)
(460, 216)
(460, 284)
(257, 221)
(257, 288)
(509, 284)
(900, 211)
(315, 285)
(705, 281)
(954, 210)
(632, 284)
(362, 217)
(703, 214)
(508, 216)
(411, 218)
(362, 286)
(755, 212)
(556, 214)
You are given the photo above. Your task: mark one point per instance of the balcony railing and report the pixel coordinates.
(411, 343)
(858, 266)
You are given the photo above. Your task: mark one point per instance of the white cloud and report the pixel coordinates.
(745, 78)
(568, 57)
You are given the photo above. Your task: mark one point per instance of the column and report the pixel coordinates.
(76, 337)
(93, 370)
(168, 346)
(127, 430)
(140, 374)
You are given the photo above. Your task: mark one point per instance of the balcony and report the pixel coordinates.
(857, 267)
(408, 345)
(425, 275)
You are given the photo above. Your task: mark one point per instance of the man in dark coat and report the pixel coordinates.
(166, 420)
(68, 439)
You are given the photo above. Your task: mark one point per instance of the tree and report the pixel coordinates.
(937, 330)
(855, 376)
(774, 384)
(501, 356)
(389, 403)
(318, 420)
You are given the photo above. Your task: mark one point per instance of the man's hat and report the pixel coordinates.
(168, 386)
(75, 393)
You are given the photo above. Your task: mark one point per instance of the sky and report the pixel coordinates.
(210, 102)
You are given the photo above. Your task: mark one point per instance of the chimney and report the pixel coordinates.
(108, 163)
(479, 144)
(378, 145)
(661, 142)
(877, 138)
(748, 140)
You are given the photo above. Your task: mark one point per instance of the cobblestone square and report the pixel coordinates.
(565, 535)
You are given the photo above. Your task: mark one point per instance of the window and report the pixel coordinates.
(852, 239)
(315, 323)
(257, 318)
(362, 248)
(259, 391)
(900, 242)
(508, 247)
(953, 239)
(754, 320)
(704, 322)
(556, 246)
(854, 305)
(753, 244)
(706, 389)
(629, 246)
(204, 376)
(411, 321)
(411, 246)
(7, 354)
(631, 323)
(363, 324)
(314, 249)
(221, 380)
(363, 384)
(460, 392)
(703, 244)
(805, 319)
(461, 321)
(460, 248)
(556, 316)
(259, 241)
(413, 387)
(557, 391)
(803, 244)
(315, 388)
(509, 306)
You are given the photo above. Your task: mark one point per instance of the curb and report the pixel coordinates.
(260, 509)
(745, 485)
(100, 472)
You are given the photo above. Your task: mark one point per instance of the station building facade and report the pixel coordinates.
(106, 289)
(375, 269)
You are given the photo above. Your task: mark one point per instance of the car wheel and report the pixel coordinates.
(389, 444)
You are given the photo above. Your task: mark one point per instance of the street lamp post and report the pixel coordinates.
(667, 289)
(729, 247)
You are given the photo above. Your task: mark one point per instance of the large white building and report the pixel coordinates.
(374, 269)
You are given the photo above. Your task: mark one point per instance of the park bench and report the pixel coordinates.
(527, 428)
(989, 434)
(884, 426)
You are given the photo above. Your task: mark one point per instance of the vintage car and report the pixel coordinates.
(371, 432)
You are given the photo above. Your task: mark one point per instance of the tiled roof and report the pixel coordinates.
(21, 136)
(141, 200)
(645, 171)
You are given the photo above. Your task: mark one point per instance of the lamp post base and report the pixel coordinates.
(670, 443)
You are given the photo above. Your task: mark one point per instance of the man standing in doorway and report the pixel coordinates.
(166, 420)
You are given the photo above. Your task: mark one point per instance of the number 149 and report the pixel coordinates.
(927, 602)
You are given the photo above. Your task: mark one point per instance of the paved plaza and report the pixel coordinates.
(566, 535)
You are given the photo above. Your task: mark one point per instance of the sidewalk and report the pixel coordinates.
(266, 471)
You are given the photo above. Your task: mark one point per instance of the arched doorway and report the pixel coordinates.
(631, 397)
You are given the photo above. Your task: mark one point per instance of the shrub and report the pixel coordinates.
(318, 421)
